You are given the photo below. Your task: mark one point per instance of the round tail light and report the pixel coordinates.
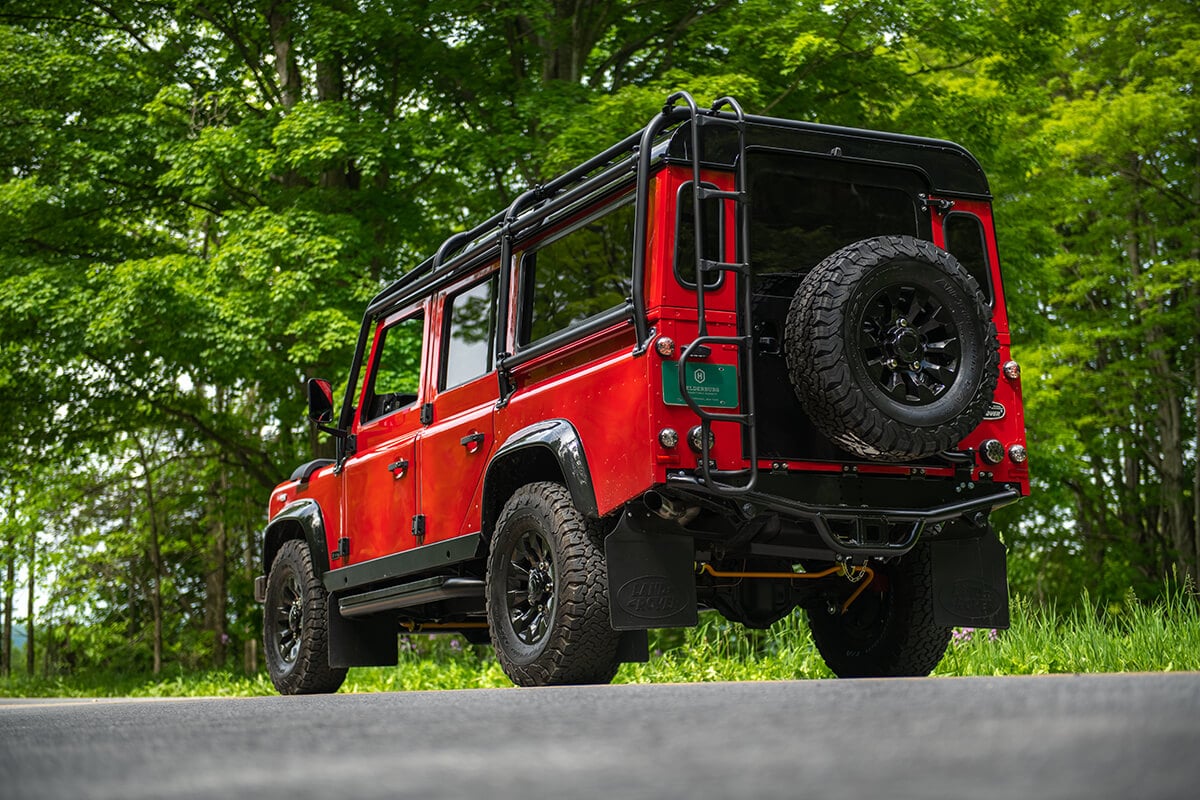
(991, 451)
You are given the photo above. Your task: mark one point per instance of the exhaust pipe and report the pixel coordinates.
(668, 509)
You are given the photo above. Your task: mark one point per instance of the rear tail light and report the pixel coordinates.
(991, 451)
(695, 442)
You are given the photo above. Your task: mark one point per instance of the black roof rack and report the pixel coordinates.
(949, 168)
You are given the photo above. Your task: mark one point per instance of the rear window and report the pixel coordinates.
(804, 209)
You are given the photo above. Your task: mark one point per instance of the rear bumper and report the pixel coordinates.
(847, 530)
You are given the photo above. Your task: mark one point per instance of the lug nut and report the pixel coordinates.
(916, 365)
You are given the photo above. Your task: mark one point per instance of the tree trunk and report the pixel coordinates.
(10, 580)
(29, 649)
(155, 560)
(250, 566)
(287, 72)
(1195, 293)
(216, 579)
(1165, 447)
(1196, 421)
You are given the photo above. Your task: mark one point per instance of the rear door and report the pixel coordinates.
(453, 449)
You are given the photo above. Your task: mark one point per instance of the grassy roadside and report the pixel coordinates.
(1128, 637)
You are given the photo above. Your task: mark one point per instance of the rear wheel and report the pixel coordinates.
(295, 633)
(547, 592)
(889, 630)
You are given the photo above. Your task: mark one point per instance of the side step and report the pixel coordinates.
(416, 593)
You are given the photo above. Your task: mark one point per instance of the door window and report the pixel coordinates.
(470, 334)
(396, 376)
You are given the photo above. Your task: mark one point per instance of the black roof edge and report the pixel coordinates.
(949, 167)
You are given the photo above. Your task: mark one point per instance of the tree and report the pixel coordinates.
(198, 198)
(1116, 363)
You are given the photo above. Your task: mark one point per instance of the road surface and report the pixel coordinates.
(1100, 736)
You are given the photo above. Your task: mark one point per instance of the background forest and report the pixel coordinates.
(197, 197)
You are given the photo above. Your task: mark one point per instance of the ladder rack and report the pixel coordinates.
(741, 481)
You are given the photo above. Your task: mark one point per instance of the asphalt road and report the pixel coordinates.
(1103, 736)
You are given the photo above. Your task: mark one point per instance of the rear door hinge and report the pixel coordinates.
(427, 413)
(942, 205)
(418, 528)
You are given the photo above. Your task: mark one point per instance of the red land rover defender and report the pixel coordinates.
(732, 362)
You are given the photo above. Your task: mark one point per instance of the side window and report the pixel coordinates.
(396, 377)
(965, 241)
(470, 334)
(685, 236)
(578, 273)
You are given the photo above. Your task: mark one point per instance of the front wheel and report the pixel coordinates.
(295, 633)
(889, 630)
(547, 592)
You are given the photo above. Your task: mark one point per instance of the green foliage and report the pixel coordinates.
(197, 199)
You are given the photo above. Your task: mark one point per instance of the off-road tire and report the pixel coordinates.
(294, 625)
(574, 641)
(859, 322)
(889, 630)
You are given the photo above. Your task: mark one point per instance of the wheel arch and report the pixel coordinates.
(299, 520)
(551, 450)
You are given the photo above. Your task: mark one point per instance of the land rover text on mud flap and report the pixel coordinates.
(732, 362)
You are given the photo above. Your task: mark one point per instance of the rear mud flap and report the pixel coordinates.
(651, 577)
(970, 583)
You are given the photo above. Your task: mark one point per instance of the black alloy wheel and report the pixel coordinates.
(530, 587)
(910, 344)
(289, 619)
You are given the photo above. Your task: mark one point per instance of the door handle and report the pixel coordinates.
(398, 468)
(472, 442)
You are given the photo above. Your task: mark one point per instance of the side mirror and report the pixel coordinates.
(320, 401)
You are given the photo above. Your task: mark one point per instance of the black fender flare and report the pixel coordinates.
(301, 519)
(548, 450)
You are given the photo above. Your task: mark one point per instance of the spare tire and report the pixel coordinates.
(892, 349)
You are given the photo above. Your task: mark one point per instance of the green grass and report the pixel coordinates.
(1122, 637)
